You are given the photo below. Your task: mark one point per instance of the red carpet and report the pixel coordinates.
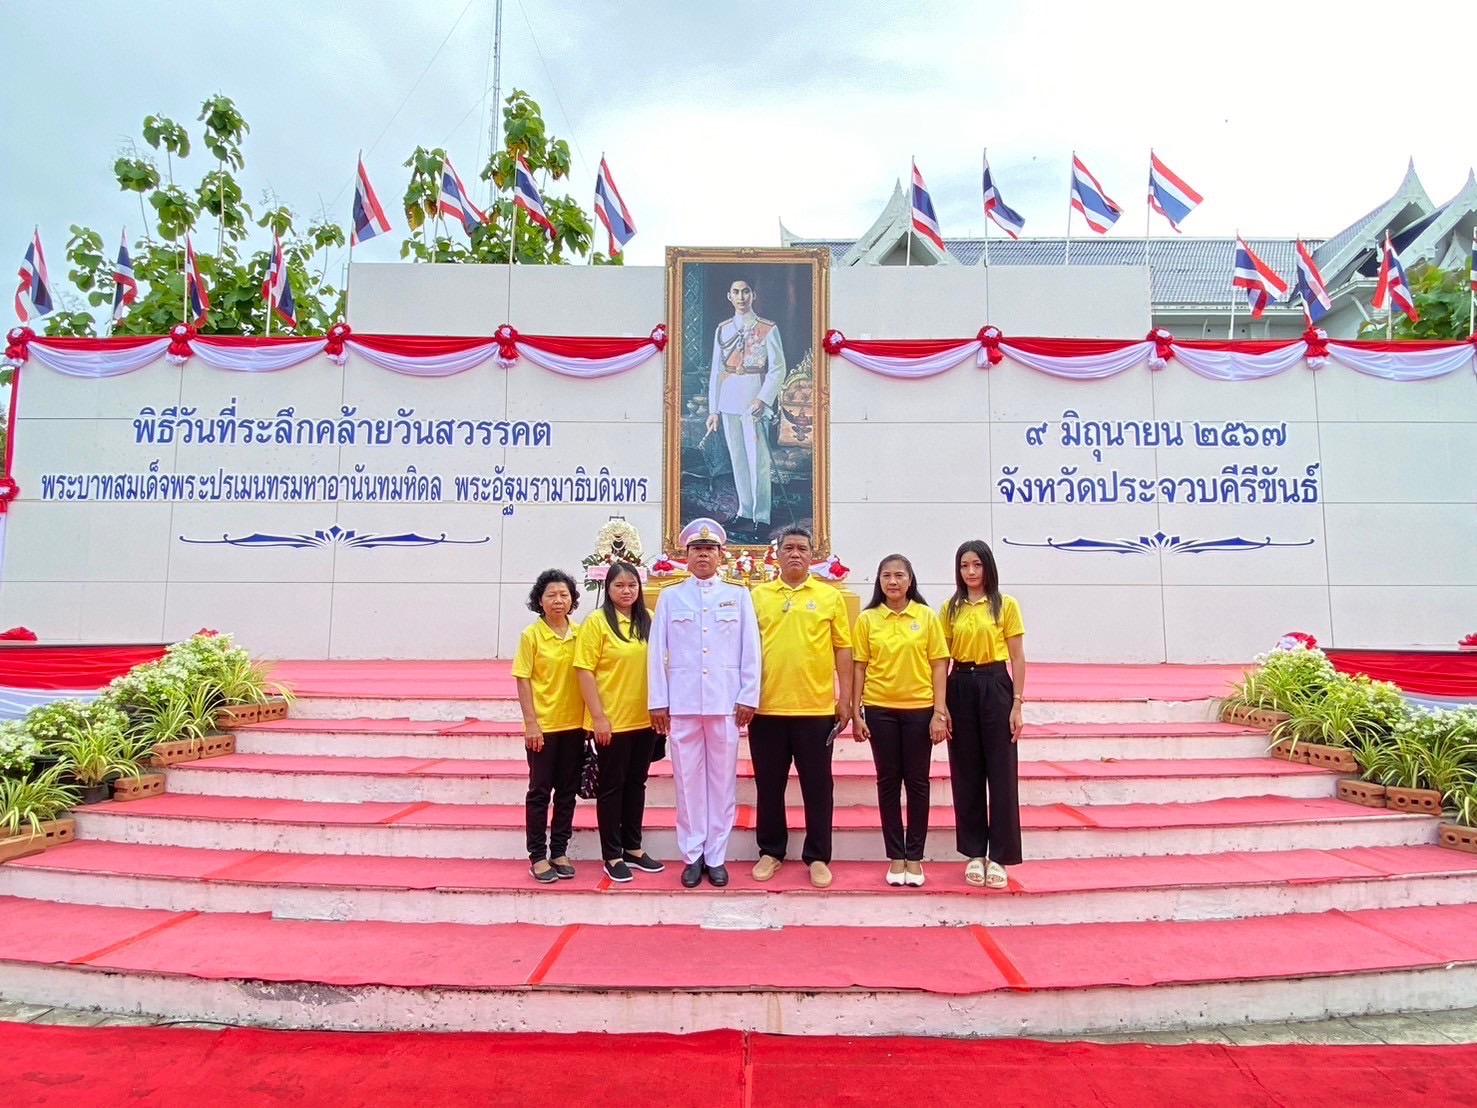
(169, 1066)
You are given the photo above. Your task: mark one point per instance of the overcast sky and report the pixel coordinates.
(719, 121)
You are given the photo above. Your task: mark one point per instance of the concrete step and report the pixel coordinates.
(497, 831)
(472, 781)
(975, 980)
(444, 890)
(503, 740)
(1061, 709)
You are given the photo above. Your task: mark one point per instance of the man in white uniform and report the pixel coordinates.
(702, 686)
(747, 371)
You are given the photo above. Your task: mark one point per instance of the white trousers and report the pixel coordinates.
(753, 467)
(704, 754)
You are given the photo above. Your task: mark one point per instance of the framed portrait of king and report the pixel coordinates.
(748, 393)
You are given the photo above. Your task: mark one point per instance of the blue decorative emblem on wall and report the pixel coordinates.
(1148, 544)
(336, 536)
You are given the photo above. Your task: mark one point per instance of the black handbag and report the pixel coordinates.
(590, 771)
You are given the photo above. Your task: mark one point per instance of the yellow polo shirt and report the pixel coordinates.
(899, 649)
(975, 636)
(800, 630)
(619, 666)
(547, 662)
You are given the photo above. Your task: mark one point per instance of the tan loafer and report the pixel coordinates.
(820, 875)
(767, 867)
(974, 872)
(995, 876)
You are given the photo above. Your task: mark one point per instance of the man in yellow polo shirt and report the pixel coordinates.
(805, 644)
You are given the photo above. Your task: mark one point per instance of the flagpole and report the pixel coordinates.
(1069, 210)
(1472, 285)
(1389, 300)
(512, 243)
(1148, 230)
(185, 273)
(912, 168)
(1231, 330)
(349, 273)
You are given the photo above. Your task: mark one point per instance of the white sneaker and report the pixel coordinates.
(897, 873)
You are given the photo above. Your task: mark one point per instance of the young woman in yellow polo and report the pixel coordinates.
(553, 717)
(610, 658)
(984, 631)
(900, 659)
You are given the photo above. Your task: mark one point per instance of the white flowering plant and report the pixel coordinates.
(617, 541)
(19, 749)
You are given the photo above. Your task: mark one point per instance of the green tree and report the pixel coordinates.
(1443, 300)
(433, 240)
(233, 273)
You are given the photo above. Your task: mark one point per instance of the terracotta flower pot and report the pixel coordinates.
(1263, 718)
(28, 842)
(1457, 837)
(136, 788)
(1366, 793)
(1425, 801)
(1334, 758)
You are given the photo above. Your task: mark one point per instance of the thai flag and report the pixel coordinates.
(1310, 286)
(277, 288)
(1260, 280)
(195, 291)
(612, 211)
(526, 196)
(1170, 196)
(125, 287)
(455, 200)
(369, 217)
(33, 294)
(1005, 217)
(1089, 198)
(1393, 290)
(925, 222)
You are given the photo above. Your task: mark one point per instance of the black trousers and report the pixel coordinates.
(983, 763)
(902, 753)
(620, 802)
(553, 771)
(775, 742)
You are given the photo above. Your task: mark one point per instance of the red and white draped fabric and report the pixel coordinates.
(413, 355)
(1095, 359)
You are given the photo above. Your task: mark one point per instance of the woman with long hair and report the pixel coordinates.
(610, 659)
(549, 696)
(899, 707)
(984, 632)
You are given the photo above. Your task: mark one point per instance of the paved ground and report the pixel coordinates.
(1409, 1029)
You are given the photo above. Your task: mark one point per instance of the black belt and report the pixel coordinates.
(992, 668)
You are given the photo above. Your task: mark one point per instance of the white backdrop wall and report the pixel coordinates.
(916, 466)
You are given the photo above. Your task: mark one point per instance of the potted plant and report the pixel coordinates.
(1431, 750)
(1368, 753)
(97, 753)
(1460, 832)
(19, 750)
(1266, 695)
(30, 811)
(170, 730)
(247, 694)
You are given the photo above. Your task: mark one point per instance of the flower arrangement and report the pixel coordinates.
(1468, 643)
(617, 541)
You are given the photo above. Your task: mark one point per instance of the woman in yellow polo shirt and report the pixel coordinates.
(984, 631)
(553, 713)
(900, 657)
(610, 659)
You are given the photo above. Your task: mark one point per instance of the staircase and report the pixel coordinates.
(360, 865)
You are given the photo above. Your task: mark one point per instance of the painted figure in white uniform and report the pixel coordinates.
(747, 372)
(702, 686)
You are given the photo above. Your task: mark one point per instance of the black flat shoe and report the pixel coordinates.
(692, 874)
(563, 870)
(644, 862)
(718, 876)
(544, 877)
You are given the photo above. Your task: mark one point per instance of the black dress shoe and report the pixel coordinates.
(692, 873)
(718, 876)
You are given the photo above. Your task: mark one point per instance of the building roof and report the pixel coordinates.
(1186, 270)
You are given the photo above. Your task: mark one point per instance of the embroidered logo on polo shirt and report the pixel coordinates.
(915, 626)
(811, 606)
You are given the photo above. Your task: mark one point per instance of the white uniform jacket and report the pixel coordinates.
(703, 657)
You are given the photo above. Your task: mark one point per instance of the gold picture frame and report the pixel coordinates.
(789, 435)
